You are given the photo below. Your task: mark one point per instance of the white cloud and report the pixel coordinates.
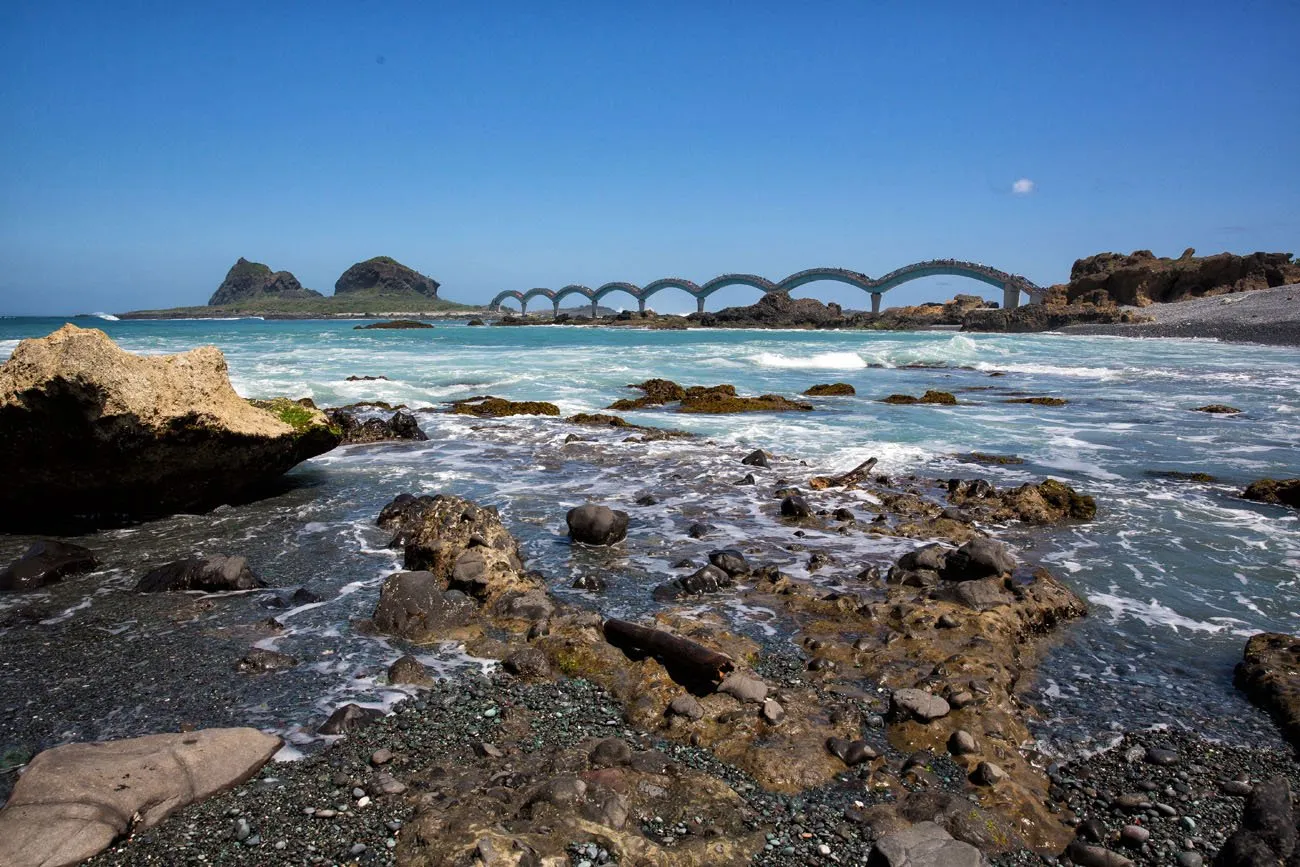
(1022, 187)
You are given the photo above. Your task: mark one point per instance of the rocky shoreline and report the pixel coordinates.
(886, 720)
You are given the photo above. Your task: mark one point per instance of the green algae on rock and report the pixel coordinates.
(497, 407)
(941, 398)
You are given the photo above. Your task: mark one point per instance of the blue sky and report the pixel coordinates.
(497, 146)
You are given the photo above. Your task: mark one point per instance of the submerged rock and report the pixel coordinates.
(74, 800)
(213, 574)
(942, 398)
(497, 407)
(46, 562)
(1217, 409)
(91, 432)
(397, 324)
(1279, 492)
(831, 390)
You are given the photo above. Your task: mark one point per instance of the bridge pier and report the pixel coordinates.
(523, 308)
(1035, 299)
(556, 304)
(875, 302)
(1010, 297)
(593, 309)
(640, 305)
(699, 305)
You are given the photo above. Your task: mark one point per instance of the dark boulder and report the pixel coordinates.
(597, 525)
(756, 458)
(731, 561)
(213, 574)
(709, 579)
(46, 562)
(413, 606)
(833, 389)
(400, 426)
(1269, 674)
(978, 558)
(350, 718)
(795, 506)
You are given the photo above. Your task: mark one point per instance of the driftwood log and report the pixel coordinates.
(688, 662)
(852, 477)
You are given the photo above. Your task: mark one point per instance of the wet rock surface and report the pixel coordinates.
(496, 407)
(45, 562)
(216, 573)
(401, 425)
(708, 400)
(1269, 674)
(1280, 492)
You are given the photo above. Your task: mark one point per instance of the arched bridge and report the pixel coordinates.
(1012, 285)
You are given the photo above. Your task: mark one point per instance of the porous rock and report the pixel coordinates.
(91, 432)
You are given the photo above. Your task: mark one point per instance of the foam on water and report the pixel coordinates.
(818, 361)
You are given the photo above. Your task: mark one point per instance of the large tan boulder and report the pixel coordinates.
(88, 430)
(74, 800)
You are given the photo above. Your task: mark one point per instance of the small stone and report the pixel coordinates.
(358, 848)
(325, 814)
(688, 706)
(487, 750)
(1134, 836)
(918, 704)
(1240, 788)
(962, 743)
(947, 621)
(823, 849)
(743, 687)
(1091, 830)
(1190, 859)
(773, 712)
(381, 756)
(988, 774)
(363, 801)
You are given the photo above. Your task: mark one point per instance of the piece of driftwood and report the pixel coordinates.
(688, 662)
(852, 477)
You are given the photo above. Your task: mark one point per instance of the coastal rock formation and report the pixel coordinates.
(1269, 674)
(496, 407)
(1141, 278)
(833, 389)
(401, 425)
(775, 310)
(74, 800)
(702, 399)
(46, 562)
(392, 325)
(596, 525)
(90, 431)
(213, 574)
(386, 276)
(1279, 492)
(253, 281)
(942, 398)
(1045, 317)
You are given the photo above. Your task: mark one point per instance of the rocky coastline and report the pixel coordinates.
(887, 724)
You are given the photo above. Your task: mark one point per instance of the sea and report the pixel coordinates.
(1177, 574)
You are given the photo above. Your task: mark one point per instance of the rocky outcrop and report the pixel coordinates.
(705, 399)
(832, 389)
(775, 310)
(1268, 834)
(1141, 278)
(1269, 674)
(1044, 317)
(393, 325)
(386, 276)
(400, 426)
(46, 562)
(74, 800)
(1279, 492)
(253, 281)
(498, 407)
(89, 431)
(942, 398)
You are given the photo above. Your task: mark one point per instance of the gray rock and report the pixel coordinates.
(795, 506)
(925, 844)
(962, 743)
(917, 704)
(258, 661)
(1190, 859)
(730, 561)
(773, 712)
(349, 718)
(1094, 856)
(74, 800)
(688, 706)
(743, 687)
(597, 525)
(928, 557)
(756, 458)
(528, 662)
(1134, 836)
(409, 670)
(611, 752)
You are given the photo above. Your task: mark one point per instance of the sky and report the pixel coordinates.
(503, 145)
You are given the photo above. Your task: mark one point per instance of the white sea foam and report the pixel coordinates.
(817, 361)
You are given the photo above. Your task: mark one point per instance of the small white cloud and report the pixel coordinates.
(1022, 187)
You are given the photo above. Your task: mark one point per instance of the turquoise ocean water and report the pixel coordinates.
(1177, 574)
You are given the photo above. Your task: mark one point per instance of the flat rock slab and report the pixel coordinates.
(74, 800)
(925, 844)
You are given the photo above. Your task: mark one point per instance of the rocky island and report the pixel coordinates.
(377, 287)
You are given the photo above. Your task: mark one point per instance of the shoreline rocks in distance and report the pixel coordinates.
(90, 433)
(392, 324)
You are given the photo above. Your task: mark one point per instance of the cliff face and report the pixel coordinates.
(249, 280)
(386, 276)
(1141, 278)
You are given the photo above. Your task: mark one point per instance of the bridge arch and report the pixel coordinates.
(1013, 285)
